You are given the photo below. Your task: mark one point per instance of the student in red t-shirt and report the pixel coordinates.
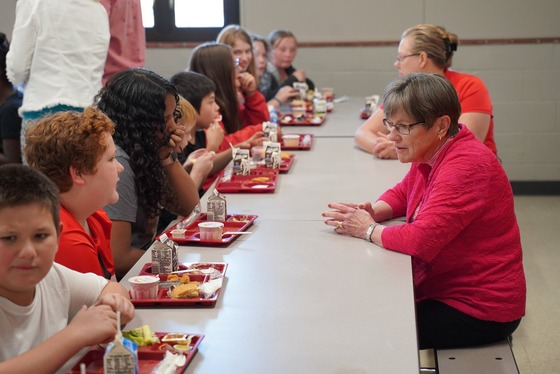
(241, 121)
(76, 151)
(428, 48)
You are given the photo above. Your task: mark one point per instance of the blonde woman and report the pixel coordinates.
(428, 48)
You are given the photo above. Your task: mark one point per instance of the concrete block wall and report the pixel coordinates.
(523, 79)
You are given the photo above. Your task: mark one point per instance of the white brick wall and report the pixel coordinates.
(523, 79)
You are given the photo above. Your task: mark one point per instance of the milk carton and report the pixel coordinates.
(241, 161)
(272, 155)
(217, 207)
(164, 255)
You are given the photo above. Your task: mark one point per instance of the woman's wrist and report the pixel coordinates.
(369, 231)
(170, 159)
(277, 100)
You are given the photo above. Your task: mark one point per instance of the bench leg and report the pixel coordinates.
(494, 358)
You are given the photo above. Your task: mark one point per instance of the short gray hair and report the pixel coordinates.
(425, 97)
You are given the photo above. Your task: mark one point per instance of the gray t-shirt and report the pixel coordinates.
(127, 209)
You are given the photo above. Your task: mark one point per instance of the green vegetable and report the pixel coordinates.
(141, 336)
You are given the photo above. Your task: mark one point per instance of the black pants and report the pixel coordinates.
(441, 326)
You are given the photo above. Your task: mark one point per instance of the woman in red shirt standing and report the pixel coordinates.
(460, 230)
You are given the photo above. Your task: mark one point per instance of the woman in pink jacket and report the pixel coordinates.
(460, 230)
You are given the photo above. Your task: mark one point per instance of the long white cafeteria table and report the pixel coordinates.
(341, 122)
(334, 170)
(297, 297)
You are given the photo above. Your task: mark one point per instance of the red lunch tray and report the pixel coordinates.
(285, 165)
(220, 266)
(233, 222)
(305, 142)
(162, 299)
(248, 183)
(148, 357)
(307, 120)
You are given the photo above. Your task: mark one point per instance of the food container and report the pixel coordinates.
(257, 153)
(290, 140)
(143, 287)
(328, 93)
(178, 233)
(272, 155)
(217, 207)
(241, 161)
(193, 156)
(270, 130)
(174, 338)
(319, 106)
(211, 231)
(299, 111)
(164, 255)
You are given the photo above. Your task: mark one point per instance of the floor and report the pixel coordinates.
(536, 342)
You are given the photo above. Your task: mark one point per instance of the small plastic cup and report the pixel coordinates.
(257, 153)
(211, 231)
(193, 156)
(178, 233)
(143, 287)
(299, 111)
(328, 93)
(290, 140)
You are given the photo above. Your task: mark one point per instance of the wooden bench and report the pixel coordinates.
(494, 358)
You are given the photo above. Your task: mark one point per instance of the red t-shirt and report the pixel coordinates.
(474, 98)
(254, 109)
(81, 252)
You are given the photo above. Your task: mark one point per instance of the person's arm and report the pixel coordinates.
(283, 95)
(10, 123)
(366, 135)
(20, 55)
(241, 136)
(355, 219)
(478, 123)
(183, 186)
(254, 109)
(214, 137)
(201, 168)
(90, 326)
(221, 160)
(289, 81)
(124, 255)
(372, 137)
(442, 214)
(11, 152)
(382, 211)
(116, 296)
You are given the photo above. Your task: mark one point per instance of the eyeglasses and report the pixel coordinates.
(401, 58)
(403, 129)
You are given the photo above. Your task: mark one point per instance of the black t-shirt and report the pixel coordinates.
(10, 121)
